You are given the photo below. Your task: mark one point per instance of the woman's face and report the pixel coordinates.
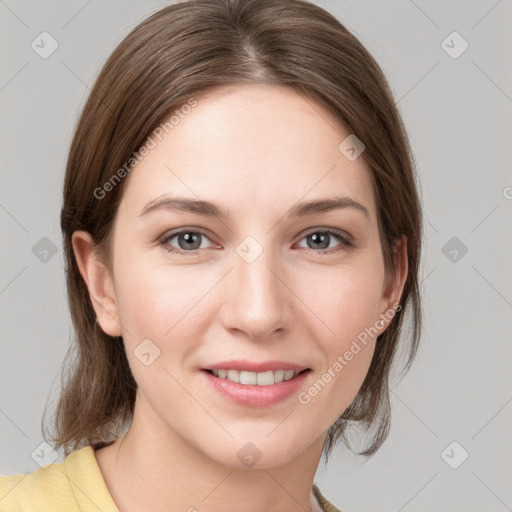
(259, 286)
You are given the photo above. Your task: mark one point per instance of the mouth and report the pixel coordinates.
(265, 378)
(274, 382)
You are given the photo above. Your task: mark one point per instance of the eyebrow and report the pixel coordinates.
(210, 209)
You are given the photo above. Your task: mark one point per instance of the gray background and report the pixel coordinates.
(457, 112)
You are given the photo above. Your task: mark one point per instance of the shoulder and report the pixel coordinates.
(39, 490)
(73, 485)
(324, 504)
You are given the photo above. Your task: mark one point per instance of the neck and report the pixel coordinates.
(156, 469)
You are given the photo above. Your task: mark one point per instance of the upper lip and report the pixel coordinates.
(253, 366)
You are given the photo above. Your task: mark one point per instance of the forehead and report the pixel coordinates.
(260, 146)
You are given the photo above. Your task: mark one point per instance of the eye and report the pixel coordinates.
(320, 239)
(188, 241)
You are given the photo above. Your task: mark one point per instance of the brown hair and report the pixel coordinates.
(180, 52)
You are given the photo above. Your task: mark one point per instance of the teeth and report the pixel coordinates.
(248, 378)
(233, 375)
(265, 378)
(288, 374)
(278, 376)
(260, 378)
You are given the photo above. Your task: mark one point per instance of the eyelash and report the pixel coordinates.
(345, 242)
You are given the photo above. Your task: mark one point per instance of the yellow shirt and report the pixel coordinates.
(75, 485)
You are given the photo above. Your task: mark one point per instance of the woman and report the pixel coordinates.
(242, 231)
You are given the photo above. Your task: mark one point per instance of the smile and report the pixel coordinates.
(255, 389)
(267, 378)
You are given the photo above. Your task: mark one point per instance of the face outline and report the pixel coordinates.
(243, 148)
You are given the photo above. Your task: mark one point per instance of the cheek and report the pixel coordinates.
(140, 302)
(347, 354)
(159, 302)
(154, 304)
(346, 303)
(345, 300)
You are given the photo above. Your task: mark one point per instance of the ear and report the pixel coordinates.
(394, 285)
(99, 282)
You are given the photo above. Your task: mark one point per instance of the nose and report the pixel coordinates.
(256, 297)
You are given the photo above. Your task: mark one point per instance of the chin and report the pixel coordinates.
(256, 451)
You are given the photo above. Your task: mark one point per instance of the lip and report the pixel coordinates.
(252, 366)
(252, 395)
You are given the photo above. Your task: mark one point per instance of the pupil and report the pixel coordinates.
(191, 238)
(320, 238)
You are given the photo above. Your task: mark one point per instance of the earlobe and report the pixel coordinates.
(98, 281)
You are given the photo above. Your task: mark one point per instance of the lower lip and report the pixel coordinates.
(253, 395)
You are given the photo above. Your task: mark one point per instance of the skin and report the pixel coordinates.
(256, 150)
